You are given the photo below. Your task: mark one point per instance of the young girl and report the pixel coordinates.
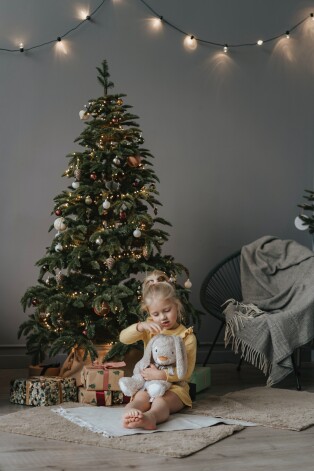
(165, 314)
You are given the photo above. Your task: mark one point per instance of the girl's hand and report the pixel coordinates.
(152, 327)
(153, 373)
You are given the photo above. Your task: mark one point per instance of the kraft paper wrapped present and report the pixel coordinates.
(101, 398)
(42, 391)
(201, 377)
(53, 369)
(102, 377)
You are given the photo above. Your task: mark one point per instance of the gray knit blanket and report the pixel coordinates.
(276, 314)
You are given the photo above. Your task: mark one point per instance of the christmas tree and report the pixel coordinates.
(308, 219)
(88, 288)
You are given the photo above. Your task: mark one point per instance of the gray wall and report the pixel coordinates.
(232, 135)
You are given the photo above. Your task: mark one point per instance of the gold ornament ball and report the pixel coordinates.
(88, 200)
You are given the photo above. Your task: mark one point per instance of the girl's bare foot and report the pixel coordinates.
(134, 418)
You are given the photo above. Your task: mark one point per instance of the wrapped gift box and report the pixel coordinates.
(201, 378)
(101, 398)
(102, 377)
(42, 391)
(52, 369)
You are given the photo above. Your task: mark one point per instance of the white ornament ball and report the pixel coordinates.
(106, 204)
(75, 185)
(83, 115)
(299, 224)
(137, 233)
(188, 284)
(116, 161)
(99, 241)
(60, 224)
(58, 248)
(88, 200)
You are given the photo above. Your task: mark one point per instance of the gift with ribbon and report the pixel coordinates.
(101, 398)
(42, 391)
(76, 360)
(102, 376)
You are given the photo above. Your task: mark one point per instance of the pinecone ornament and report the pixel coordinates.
(110, 261)
(77, 174)
(59, 277)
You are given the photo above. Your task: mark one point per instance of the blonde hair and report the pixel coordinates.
(161, 290)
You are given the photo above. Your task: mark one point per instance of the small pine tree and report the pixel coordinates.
(308, 219)
(88, 288)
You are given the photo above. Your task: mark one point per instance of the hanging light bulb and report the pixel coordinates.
(190, 42)
(60, 45)
(157, 22)
(21, 46)
(312, 16)
(226, 48)
(83, 14)
(260, 42)
(287, 34)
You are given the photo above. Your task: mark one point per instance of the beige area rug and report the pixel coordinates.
(42, 422)
(270, 407)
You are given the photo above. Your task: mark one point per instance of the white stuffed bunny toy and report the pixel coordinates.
(164, 351)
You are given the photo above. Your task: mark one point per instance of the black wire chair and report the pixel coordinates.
(223, 282)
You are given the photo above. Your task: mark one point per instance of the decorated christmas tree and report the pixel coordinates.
(107, 237)
(308, 219)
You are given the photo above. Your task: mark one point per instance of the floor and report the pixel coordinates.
(255, 448)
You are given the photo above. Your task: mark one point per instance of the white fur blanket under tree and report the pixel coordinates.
(276, 314)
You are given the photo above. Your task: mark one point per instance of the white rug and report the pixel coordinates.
(107, 421)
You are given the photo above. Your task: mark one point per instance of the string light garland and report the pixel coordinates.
(190, 40)
(226, 46)
(59, 38)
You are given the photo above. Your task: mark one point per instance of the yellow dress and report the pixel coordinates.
(131, 335)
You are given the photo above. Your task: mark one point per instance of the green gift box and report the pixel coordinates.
(42, 391)
(201, 377)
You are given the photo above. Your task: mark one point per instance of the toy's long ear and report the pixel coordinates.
(181, 356)
(146, 360)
